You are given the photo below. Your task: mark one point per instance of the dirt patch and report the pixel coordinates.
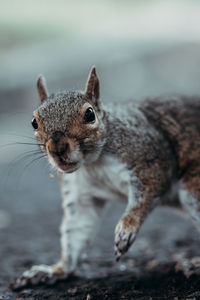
(162, 283)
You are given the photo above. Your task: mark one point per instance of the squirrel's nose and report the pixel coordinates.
(58, 144)
(58, 149)
(61, 149)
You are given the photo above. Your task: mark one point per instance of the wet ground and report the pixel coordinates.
(30, 210)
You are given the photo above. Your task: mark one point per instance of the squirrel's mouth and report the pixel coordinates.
(67, 166)
(63, 164)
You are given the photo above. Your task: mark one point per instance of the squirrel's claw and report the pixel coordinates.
(123, 239)
(189, 266)
(117, 254)
(42, 274)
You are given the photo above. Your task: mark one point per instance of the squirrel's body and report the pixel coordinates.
(131, 152)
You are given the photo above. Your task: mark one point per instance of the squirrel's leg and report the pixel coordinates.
(79, 225)
(82, 214)
(130, 223)
(144, 194)
(189, 195)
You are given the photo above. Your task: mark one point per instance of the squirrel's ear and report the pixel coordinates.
(42, 89)
(93, 87)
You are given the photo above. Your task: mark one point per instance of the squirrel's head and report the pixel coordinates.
(69, 126)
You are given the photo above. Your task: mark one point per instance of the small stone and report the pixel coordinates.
(122, 267)
(72, 291)
(27, 292)
(152, 264)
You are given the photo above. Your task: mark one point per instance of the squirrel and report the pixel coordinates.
(136, 152)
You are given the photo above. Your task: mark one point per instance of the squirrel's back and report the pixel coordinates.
(179, 120)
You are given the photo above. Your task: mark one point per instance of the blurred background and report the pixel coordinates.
(140, 48)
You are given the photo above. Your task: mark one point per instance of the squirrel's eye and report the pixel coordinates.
(34, 123)
(89, 116)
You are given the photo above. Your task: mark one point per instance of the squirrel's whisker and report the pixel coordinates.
(21, 143)
(18, 159)
(34, 160)
(19, 135)
(23, 156)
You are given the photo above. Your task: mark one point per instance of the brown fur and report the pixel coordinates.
(179, 121)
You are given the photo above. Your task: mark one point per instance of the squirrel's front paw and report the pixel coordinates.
(40, 274)
(124, 237)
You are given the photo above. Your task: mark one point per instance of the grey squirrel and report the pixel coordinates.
(137, 152)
